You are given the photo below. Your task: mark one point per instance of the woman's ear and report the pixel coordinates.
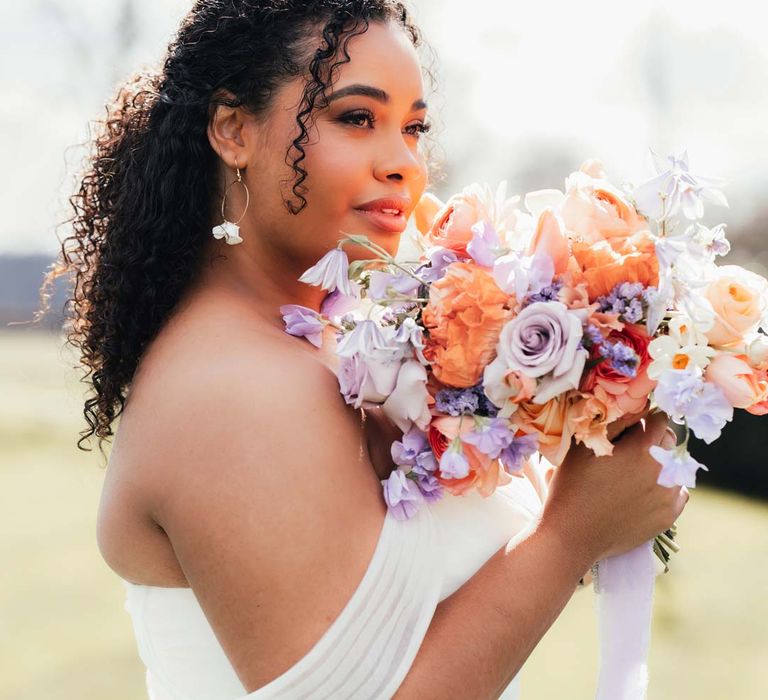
(228, 133)
(424, 212)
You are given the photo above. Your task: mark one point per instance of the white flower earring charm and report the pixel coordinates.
(230, 230)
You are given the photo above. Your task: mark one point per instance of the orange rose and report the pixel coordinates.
(603, 266)
(590, 415)
(740, 383)
(452, 225)
(549, 422)
(594, 210)
(739, 298)
(485, 474)
(464, 316)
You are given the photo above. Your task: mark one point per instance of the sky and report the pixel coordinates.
(527, 92)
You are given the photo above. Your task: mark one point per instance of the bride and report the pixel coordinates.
(242, 504)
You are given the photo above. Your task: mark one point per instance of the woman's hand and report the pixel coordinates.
(610, 505)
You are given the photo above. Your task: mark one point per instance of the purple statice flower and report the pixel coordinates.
(456, 402)
(439, 259)
(484, 244)
(402, 495)
(303, 322)
(406, 451)
(516, 452)
(622, 358)
(453, 463)
(626, 300)
(633, 312)
(485, 407)
(678, 467)
(490, 435)
(548, 293)
(593, 334)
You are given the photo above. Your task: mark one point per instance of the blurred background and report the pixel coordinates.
(526, 92)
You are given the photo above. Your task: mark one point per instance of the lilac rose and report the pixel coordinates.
(543, 342)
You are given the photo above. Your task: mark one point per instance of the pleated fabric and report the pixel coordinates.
(368, 649)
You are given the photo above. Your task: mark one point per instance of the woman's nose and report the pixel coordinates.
(399, 162)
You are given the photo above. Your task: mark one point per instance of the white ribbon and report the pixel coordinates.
(624, 587)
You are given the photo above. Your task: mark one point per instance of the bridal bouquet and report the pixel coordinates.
(531, 323)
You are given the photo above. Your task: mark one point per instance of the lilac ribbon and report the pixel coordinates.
(624, 586)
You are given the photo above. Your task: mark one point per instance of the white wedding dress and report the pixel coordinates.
(366, 652)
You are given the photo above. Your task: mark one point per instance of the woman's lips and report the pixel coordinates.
(392, 223)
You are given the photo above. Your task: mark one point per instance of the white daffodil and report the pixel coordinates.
(684, 348)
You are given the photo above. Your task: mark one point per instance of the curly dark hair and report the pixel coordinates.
(144, 205)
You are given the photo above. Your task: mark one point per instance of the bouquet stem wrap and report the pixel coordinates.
(624, 587)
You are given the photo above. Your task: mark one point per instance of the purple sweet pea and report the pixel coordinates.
(405, 451)
(380, 280)
(330, 272)
(678, 467)
(303, 322)
(521, 448)
(686, 397)
(453, 463)
(439, 258)
(402, 495)
(338, 304)
(490, 436)
(485, 241)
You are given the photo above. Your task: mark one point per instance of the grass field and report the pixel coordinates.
(64, 634)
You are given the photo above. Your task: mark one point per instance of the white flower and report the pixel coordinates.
(757, 350)
(330, 272)
(407, 404)
(685, 347)
(682, 190)
(228, 231)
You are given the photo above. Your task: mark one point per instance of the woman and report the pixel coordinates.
(242, 505)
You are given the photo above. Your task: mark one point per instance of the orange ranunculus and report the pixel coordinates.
(485, 473)
(595, 210)
(452, 224)
(549, 422)
(464, 317)
(761, 407)
(603, 266)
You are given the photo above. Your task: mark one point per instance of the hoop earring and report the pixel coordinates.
(230, 230)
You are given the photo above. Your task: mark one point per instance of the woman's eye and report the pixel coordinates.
(357, 118)
(419, 128)
(360, 118)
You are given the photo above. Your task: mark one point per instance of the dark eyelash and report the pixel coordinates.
(350, 117)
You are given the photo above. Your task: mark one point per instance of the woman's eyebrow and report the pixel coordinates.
(369, 91)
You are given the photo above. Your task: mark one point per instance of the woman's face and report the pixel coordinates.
(363, 146)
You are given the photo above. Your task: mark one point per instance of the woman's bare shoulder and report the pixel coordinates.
(217, 377)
